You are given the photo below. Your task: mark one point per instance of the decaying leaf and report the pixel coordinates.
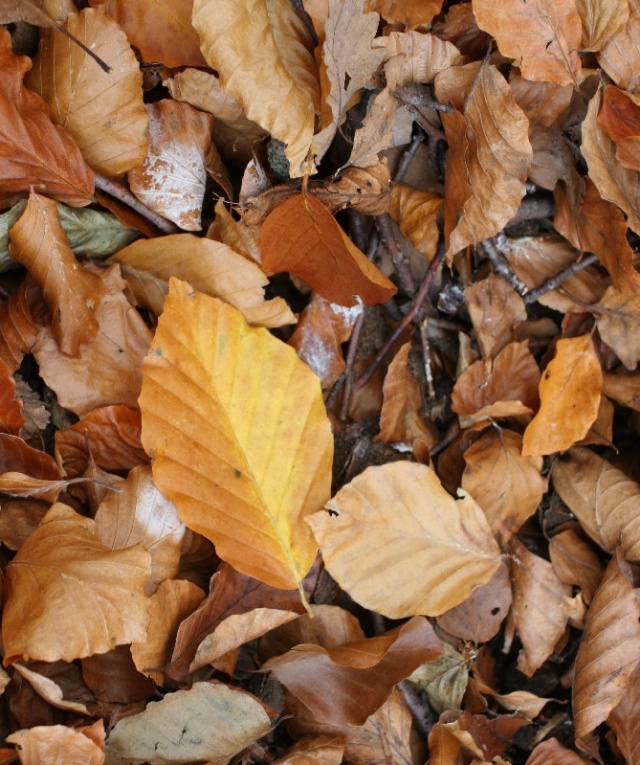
(619, 57)
(576, 562)
(42, 744)
(415, 213)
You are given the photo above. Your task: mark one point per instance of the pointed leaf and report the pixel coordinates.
(601, 20)
(619, 325)
(620, 56)
(243, 446)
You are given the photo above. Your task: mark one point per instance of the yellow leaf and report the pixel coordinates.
(415, 213)
(570, 391)
(261, 50)
(399, 544)
(238, 433)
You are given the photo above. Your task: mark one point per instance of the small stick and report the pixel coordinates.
(416, 304)
(118, 191)
(501, 267)
(383, 224)
(407, 97)
(434, 133)
(407, 158)
(426, 358)
(554, 282)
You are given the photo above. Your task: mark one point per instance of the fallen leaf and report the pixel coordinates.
(56, 745)
(413, 13)
(83, 99)
(113, 678)
(624, 721)
(262, 54)
(619, 57)
(11, 418)
(68, 596)
(543, 103)
(576, 562)
(19, 519)
(210, 721)
(430, 551)
(444, 679)
(17, 456)
(33, 151)
(402, 396)
(415, 57)
(317, 250)
(325, 679)
(601, 21)
(570, 391)
(620, 118)
(320, 750)
(618, 325)
(56, 680)
(415, 213)
(551, 752)
(495, 309)
(549, 49)
(610, 648)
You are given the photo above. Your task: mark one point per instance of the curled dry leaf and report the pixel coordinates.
(549, 49)
(329, 681)
(416, 57)
(399, 544)
(103, 111)
(56, 745)
(552, 752)
(68, 596)
(620, 56)
(365, 189)
(72, 293)
(53, 685)
(624, 719)
(576, 562)
(172, 178)
(210, 721)
(539, 610)
(601, 21)
(235, 234)
(402, 396)
(11, 419)
(415, 213)
(610, 648)
(17, 456)
(496, 156)
(507, 486)
(603, 498)
(262, 54)
(21, 318)
(245, 482)
(444, 679)
(302, 237)
(570, 391)
(619, 325)
(33, 151)
(620, 117)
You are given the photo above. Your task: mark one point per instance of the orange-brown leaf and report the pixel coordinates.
(620, 56)
(21, 317)
(601, 20)
(56, 745)
(402, 396)
(11, 419)
(415, 213)
(576, 562)
(302, 237)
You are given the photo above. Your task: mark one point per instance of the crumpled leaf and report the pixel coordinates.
(399, 544)
(84, 99)
(68, 596)
(619, 325)
(56, 745)
(344, 684)
(609, 650)
(244, 482)
(302, 237)
(570, 391)
(548, 49)
(416, 57)
(33, 151)
(72, 294)
(262, 53)
(444, 679)
(210, 721)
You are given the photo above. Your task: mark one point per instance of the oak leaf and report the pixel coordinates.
(68, 596)
(570, 391)
(302, 237)
(399, 544)
(245, 482)
(261, 51)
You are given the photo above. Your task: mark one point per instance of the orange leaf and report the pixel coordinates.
(33, 151)
(415, 213)
(68, 596)
(21, 318)
(243, 446)
(570, 391)
(17, 456)
(402, 396)
(620, 56)
(302, 237)
(56, 745)
(411, 12)
(11, 419)
(399, 544)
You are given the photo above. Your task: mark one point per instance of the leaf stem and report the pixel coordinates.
(118, 191)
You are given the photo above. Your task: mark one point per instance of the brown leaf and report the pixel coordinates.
(603, 498)
(507, 486)
(20, 518)
(551, 752)
(624, 720)
(257, 38)
(33, 151)
(416, 57)
(328, 681)
(56, 745)
(549, 48)
(235, 234)
(402, 396)
(399, 544)
(497, 161)
(620, 117)
(415, 213)
(161, 31)
(113, 678)
(570, 391)
(619, 324)
(11, 419)
(539, 610)
(109, 368)
(67, 596)
(59, 683)
(542, 102)
(18, 456)
(302, 237)
(412, 13)
(600, 21)
(495, 309)
(21, 318)
(576, 562)
(610, 648)
(620, 56)
(623, 388)
(84, 99)
(72, 294)
(321, 750)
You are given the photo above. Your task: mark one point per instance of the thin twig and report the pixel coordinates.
(554, 282)
(416, 304)
(407, 157)
(118, 191)
(426, 358)
(383, 224)
(432, 131)
(449, 437)
(415, 99)
(501, 267)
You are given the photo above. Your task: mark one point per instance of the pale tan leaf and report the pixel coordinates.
(415, 213)
(210, 721)
(570, 391)
(620, 56)
(495, 309)
(498, 158)
(261, 51)
(72, 294)
(539, 610)
(576, 562)
(603, 498)
(103, 111)
(402, 396)
(56, 745)
(172, 178)
(548, 50)
(212, 268)
(623, 388)
(507, 486)
(624, 720)
(233, 233)
(386, 125)
(444, 679)
(399, 544)
(67, 596)
(601, 21)
(619, 325)
(610, 648)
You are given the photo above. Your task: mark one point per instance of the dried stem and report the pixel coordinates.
(555, 281)
(426, 358)
(415, 99)
(501, 267)
(416, 304)
(384, 226)
(434, 133)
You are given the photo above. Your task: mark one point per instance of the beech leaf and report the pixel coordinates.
(42, 744)
(601, 20)
(245, 482)
(619, 325)
(399, 544)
